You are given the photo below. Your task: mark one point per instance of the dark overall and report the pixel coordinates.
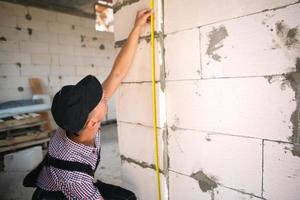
(108, 191)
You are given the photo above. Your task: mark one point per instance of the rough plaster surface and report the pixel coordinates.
(141, 67)
(253, 107)
(184, 187)
(238, 54)
(180, 15)
(134, 104)
(182, 55)
(281, 172)
(140, 180)
(131, 145)
(227, 92)
(219, 158)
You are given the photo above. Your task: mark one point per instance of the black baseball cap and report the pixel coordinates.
(73, 103)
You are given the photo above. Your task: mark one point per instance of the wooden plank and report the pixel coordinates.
(14, 123)
(24, 144)
(36, 88)
(39, 123)
(23, 138)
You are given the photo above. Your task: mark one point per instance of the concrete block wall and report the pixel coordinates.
(228, 93)
(58, 48)
(232, 99)
(134, 106)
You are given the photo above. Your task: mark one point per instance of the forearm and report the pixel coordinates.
(122, 63)
(126, 55)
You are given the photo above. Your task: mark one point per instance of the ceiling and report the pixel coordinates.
(83, 8)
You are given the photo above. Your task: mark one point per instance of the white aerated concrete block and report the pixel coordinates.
(111, 113)
(134, 104)
(38, 36)
(8, 21)
(281, 172)
(9, 46)
(141, 67)
(24, 160)
(41, 59)
(61, 49)
(68, 19)
(10, 94)
(12, 9)
(70, 60)
(255, 107)
(54, 81)
(55, 27)
(137, 142)
(86, 70)
(13, 82)
(64, 70)
(182, 55)
(197, 13)
(88, 23)
(34, 24)
(219, 156)
(13, 58)
(70, 39)
(35, 70)
(124, 17)
(84, 51)
(142, 181)
(185, 187)
(34, 47)
(9, 70)
(255, 45)
(42, 14)
(8, 33)
(93, 61)
(70, 80)
(222, 193)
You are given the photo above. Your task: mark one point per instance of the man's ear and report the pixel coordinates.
(91, 123)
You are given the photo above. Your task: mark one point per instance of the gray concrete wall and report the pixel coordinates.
(58, 48)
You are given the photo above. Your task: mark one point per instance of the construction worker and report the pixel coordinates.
(74, 151)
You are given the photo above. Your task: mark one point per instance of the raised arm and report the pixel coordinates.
(126, 55)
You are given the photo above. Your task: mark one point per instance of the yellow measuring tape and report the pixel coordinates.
(154, 101)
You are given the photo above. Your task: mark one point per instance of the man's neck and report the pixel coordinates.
(83, 138)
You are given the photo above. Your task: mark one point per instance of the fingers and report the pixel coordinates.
(143, 11)
(146, 15)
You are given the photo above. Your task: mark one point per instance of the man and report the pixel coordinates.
(74, 151)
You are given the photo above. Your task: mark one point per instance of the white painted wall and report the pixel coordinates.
(61, 50)
(229, 98)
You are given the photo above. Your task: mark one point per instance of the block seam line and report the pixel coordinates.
(142, 164)
(157, 35)
(222, 185)
(200, 60)
(175, 128)
(233, 77)
(229, 19)
(262, 170)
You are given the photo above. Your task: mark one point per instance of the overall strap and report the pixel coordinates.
(68, 165)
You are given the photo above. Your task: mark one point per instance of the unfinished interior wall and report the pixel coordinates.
(231, 96)
(229, 75)
(134, 105)
(58, 48)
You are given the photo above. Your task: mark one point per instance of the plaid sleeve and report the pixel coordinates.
(81, 190)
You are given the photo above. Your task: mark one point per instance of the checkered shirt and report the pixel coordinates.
(74, 185)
